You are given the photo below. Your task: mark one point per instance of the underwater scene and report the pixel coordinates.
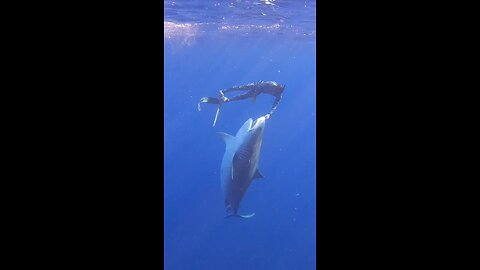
(240, 135)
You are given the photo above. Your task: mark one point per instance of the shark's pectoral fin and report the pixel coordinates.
(258, 175)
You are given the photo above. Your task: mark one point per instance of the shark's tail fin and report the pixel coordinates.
(241, 216)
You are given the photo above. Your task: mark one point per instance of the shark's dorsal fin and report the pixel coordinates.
(227, 138)
(258, 175)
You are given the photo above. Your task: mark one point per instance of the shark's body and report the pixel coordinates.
(240, 163)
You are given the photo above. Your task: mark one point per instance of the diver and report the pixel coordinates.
(252, 91)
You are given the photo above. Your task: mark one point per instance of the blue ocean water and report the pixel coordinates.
(213, 45)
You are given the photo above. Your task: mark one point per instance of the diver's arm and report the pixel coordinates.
(275, 104)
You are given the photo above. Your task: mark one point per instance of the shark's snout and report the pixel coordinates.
(258, 122)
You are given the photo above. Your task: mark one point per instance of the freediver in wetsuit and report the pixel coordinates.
(252, 91)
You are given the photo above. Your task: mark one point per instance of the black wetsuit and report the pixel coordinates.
(253, 90)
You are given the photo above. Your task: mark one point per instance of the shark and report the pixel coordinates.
(240, 163)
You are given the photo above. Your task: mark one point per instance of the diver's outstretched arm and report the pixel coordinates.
(275, 104)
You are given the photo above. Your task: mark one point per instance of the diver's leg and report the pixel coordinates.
(250, 94)
(247, 87)
(232, 89)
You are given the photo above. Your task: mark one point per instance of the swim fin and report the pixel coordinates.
(210, 100)
(216, 114)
